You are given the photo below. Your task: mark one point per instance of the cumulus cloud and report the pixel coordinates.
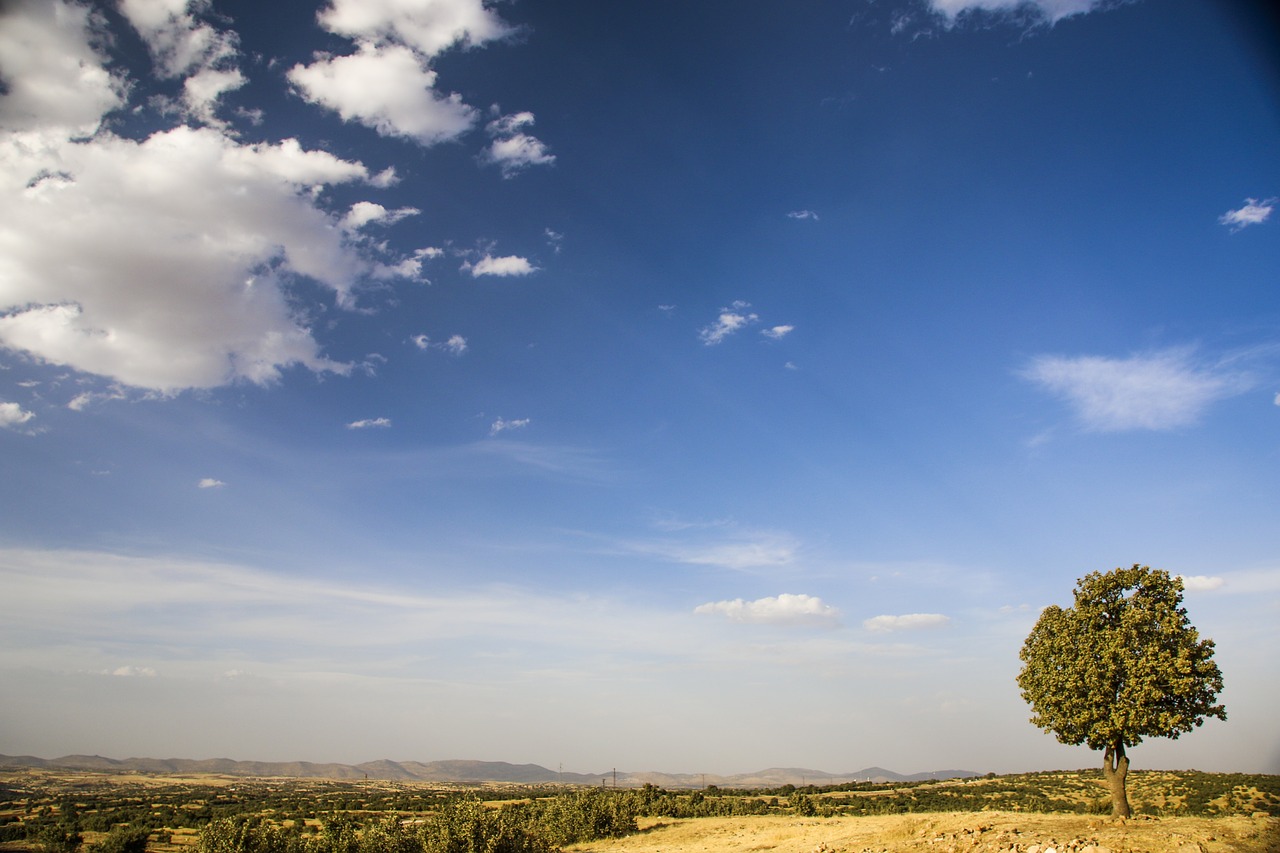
(1200, 583)
(194, 239)
(183, 46)
(387, 88)
(513, 150)
(785, 609)
(427, 26)
(509, 265)
(1253, 212)
(364, 213)
(388, 84)
(370, 423)
(1155, 391)
(54, 81)
(905, 622)
(13, 415)
(210, 483)
(777, 332)
(191, 237)
(731, 320)
(502, 424)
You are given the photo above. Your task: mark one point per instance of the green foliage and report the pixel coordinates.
(1124, 663)
(61, 837)
(123, 839)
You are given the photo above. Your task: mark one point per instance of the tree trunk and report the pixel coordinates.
(1115, 767)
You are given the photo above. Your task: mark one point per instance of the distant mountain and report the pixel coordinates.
(466, 771)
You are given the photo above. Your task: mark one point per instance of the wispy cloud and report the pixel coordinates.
(803, 214)
(1154, 391)
(502, 425)
(455, 345)
(1050, 11)
(785, 609)
(370, 423)
(777, 333)
(721, 546)
(731, 319)
(1253, 212)
(134, 672)
(905, 622)
(513, 150)
(210, 483)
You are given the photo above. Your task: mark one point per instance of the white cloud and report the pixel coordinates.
(1156, 391)
(455, 345)
(427, 26)
(1253, 212)
(778, 332)
(387, 88)
(210, 483)
(1200, 583)
(177, 41)
(183, 46)
(905, 622)
(55, 81)
(510, 265)
(501, 425)
(192, 237)
(739, 550)
(513, 150)
(363, 213)
(731, 319)
(13, 415)
(803, 214)
(785, 609)
(134, 672)
(370, 423)
(1051, 11)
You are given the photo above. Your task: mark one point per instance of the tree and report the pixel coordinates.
(1124, 663)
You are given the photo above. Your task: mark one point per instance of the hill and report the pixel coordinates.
(461, 771)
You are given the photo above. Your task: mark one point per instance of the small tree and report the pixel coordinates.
(1124, 663)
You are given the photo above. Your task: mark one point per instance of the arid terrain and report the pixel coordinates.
(1049, 812)
(986, 832)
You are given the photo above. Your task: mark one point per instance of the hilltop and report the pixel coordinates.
(463, 771)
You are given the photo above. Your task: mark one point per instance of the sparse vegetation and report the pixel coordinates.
(102, 813)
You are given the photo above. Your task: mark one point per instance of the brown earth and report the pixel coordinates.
(971, 832)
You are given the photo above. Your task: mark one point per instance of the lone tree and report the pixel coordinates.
(1124, 663)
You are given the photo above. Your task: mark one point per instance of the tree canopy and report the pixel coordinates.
(1122, 664)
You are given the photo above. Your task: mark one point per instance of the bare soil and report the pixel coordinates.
(972, 832)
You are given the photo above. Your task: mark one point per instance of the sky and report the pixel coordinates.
(692, 387)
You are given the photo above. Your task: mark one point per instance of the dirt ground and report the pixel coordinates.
(984, 832)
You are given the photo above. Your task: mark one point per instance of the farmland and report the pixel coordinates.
(46, 811)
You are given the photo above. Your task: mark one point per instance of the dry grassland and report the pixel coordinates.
(985, 832)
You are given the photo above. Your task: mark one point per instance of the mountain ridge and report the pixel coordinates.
(467, 771)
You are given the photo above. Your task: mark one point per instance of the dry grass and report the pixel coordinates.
(985, 832)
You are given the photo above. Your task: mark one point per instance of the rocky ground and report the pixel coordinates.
(984, 832)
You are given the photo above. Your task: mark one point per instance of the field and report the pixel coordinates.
(44, 811)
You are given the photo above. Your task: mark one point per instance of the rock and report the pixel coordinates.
(1191, 847)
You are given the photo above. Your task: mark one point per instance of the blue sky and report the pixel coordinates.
(694, 387)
